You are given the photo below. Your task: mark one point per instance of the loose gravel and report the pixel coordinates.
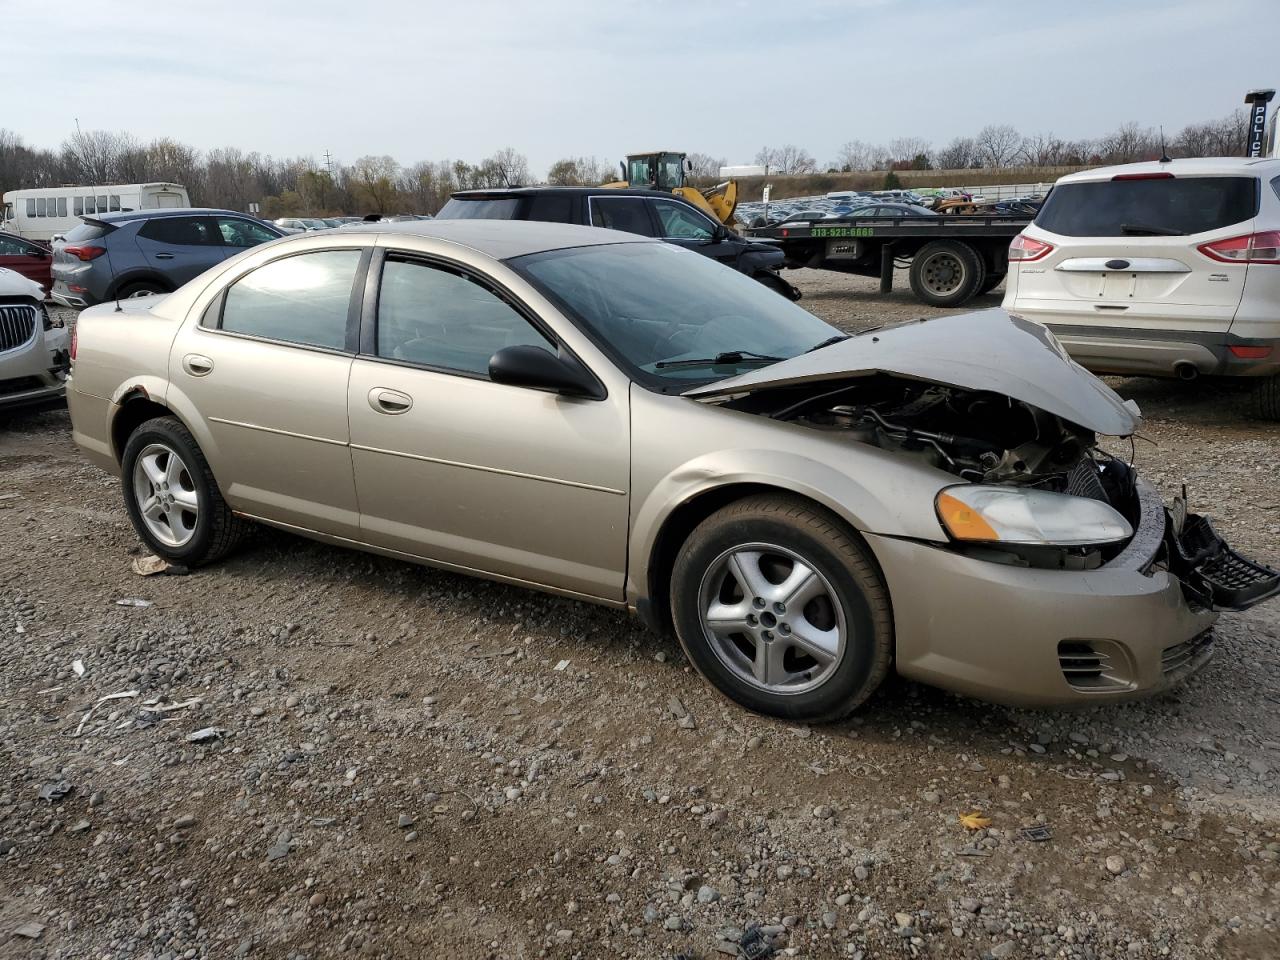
(398, 762)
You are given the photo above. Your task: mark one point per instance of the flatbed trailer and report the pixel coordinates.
(953, 258)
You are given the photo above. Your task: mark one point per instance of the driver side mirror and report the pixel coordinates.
(720, 233)
(528, 366)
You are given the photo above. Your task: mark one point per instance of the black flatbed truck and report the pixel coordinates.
(953, 258)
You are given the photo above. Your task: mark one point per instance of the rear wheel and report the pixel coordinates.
(780, 607)
(141, 288)
(171, 497)
(947, 273)
(1266, 398)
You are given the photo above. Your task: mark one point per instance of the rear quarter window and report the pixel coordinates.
(1188, 205)
(87, 231)
(500, 208)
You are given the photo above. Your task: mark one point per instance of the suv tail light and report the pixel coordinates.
(1249, 352)
(1025, 249)
(1251, 248)
(75, 340)
(84, 252)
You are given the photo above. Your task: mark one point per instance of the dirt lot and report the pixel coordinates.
(415, 764)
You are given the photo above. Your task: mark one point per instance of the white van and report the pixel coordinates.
(45, 212)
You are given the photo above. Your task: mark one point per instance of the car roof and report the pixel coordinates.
(500, 239)
(126, 216)
(1190, 167)
(499, 193)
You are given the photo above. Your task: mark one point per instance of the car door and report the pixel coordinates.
(265, 370)
(452, 467)
(680, 224)
(620, 211)
(181, 248)
(24, 257)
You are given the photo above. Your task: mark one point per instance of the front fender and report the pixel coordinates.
(900, 505)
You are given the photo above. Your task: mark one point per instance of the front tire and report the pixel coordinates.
(171, 496)
(782, 609)
(947, 273)
(780, 286)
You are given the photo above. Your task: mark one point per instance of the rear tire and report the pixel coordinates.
(947, 273)
(141, 288)
(171, 496)
(813, 586)
(1266, 398)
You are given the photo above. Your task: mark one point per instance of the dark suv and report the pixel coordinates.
(650, 213)
(141, 252)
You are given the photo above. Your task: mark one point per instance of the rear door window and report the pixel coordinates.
(303, 299)
(630, 214)
(185, 231)
(551, 208)
(1176, 205)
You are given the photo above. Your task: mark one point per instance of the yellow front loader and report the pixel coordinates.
(668, 170)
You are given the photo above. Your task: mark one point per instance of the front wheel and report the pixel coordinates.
(171, 497)
(781, 608)
(1266, 398)
(778, 285)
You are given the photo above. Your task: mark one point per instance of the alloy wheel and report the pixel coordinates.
(772, 618)
(166, 495)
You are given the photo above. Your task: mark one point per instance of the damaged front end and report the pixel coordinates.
(994, 400)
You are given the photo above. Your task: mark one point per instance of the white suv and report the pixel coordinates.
(1162, 269)
(33, 346)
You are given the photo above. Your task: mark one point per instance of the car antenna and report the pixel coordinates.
(119, 309)
(1164, 153)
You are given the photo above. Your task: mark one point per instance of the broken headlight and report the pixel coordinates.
(1025, 516)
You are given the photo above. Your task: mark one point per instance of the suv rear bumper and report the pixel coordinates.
(1165, 353)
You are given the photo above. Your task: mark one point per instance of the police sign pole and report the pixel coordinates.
(1257, 101)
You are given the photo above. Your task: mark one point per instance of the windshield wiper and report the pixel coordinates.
(838, 338)
(1150, 230)
(720, 359)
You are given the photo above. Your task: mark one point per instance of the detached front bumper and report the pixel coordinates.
(1032, 637)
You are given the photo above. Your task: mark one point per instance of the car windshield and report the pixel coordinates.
(671, 317)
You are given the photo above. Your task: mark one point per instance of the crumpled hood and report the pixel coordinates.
(987, 350)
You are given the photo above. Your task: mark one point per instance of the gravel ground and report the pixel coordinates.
(409, 763)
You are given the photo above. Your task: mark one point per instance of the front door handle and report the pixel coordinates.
(197, 365)
(389, 401)
(164, 256)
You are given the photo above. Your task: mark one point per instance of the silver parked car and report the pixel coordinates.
(623, 421)
(33, 346)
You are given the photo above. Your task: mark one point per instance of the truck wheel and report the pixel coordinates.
(1266, 398)
(781, 608)
(778, 285)
(947, 273)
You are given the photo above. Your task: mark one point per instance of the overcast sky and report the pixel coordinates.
(429, 80)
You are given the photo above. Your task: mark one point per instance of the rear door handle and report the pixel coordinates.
(164, 256)
(197, 365)
(389, 401)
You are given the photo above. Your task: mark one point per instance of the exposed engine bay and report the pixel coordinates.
(980, 436)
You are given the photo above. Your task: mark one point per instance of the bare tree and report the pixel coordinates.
(1127, 143)
(373, 182)
(577, 172)
(960, 154)
(908, 150)
(101, 156)
(706, 166)
(1042, 150)
(998, 145)
(787, 160)
(855, 155)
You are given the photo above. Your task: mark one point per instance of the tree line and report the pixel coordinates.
(229, 177)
